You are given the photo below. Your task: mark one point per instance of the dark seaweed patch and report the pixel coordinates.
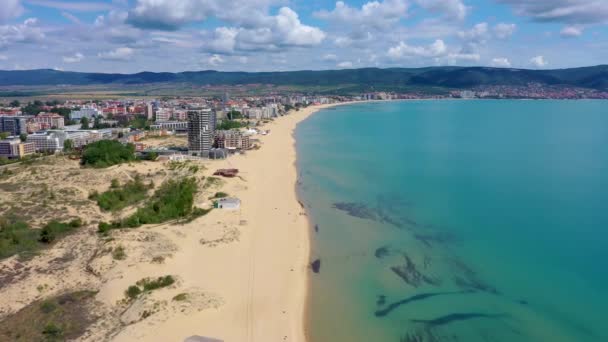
(468, 279)
(381, 252)
(447, 319)
(381, 300)
(436, 238)
(409, 273)
(359, 210)
(421, 296)
(316, 266)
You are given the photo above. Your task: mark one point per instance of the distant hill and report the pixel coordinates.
(595, 77)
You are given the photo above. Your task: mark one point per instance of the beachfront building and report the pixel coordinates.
(229, 203)
(232, 139)
(14, 125)
(201, 127)
(85, 112)
(15, 148)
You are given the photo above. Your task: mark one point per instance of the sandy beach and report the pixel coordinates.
(240, 275)
(261, 278)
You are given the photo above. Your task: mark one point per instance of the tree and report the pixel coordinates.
(84, 123)
(23, 137)
(68, 145)
(15, 104)
(4, 135)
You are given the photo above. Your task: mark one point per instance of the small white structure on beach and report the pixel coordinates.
(229, 203)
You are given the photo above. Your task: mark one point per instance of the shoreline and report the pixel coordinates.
(262, 276)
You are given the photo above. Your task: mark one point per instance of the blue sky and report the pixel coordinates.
(261, 35)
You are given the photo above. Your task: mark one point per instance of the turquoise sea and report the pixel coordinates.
(458, 220)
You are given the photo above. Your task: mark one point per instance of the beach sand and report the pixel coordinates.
(241, 275)
(256, 274)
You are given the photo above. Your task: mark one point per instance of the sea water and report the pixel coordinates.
(457, 220)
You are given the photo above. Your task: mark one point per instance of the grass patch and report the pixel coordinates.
(211, 182)
(119, 197)
(148, 285)
(173, 200)
(61, 318)
(180, 297)
(16, 236)
(219, 195)
(118, 253)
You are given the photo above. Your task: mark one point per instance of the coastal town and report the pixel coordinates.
(192, 174)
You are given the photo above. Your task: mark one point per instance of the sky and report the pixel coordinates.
(129, 36)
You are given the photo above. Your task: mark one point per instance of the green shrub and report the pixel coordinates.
(54, 229)
(119, 253)
(153, 284)
(220, 195)
(51, 330)
(180, 297)
(118, 198)
(133, 292)
(147, 285)
(105, 153)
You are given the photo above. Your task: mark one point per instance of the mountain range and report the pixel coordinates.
(594, 77)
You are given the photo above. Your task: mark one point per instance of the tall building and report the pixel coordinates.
(149, 111)
(14, 125)
(201, 128)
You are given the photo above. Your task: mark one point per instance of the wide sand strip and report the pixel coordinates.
(258, 267)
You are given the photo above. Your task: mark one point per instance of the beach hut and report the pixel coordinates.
(229, 203)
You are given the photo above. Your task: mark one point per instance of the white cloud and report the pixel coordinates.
(501, 62)
(571, 31)
(285, 30)
(345, 65)
(403, 50)
(452, 9)
(538, 61)
(223, 41)
(478, 33)
(215, 60)
(28, 32)
(467, 57)
(566, 11)
(3, 58)
(293, 32)
(372, 15)
(330, 57)
(504, 31)
(79, 6)
(10, 9)
(172, 14)
(77, 57)
(118, 54)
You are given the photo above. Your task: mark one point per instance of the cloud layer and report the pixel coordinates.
(254, 35)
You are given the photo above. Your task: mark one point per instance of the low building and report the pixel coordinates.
(49, 120)
(232, 139)
(85, 112)
(15, 148)
(171, 126)
(48, 142)
(229, 203)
